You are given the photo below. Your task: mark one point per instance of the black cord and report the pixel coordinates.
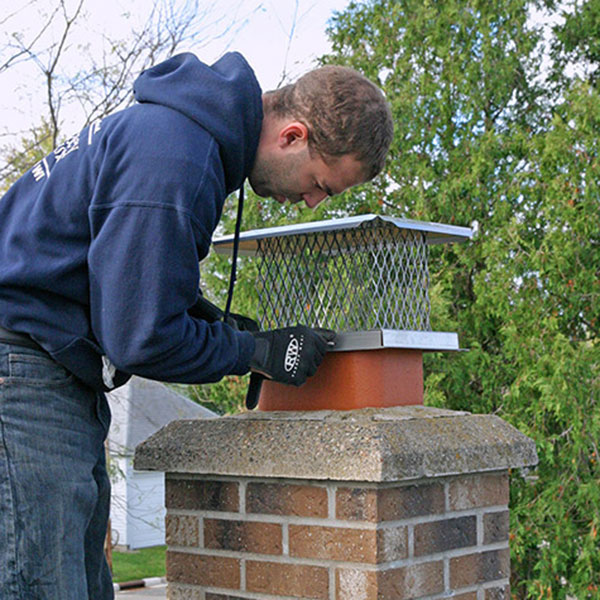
(236, 243)
(256, 379)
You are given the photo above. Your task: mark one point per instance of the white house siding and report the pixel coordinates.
(118, 501)
(139, 409)
(146, 514)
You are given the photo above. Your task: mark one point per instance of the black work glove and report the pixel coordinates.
(292, 354)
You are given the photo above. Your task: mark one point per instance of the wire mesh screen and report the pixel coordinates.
(369, 277)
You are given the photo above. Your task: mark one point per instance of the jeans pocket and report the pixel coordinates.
(36, 369)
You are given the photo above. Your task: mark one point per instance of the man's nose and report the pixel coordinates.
(314, 198)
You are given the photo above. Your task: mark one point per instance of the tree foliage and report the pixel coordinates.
(483, 136)
(576, 44)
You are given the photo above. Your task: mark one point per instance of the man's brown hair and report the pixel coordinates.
(344, 112)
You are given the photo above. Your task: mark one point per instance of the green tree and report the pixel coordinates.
(31, 148)
(549, 299)
(576, 43)
(481, 137)
(457, 75)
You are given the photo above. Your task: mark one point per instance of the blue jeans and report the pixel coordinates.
(54, 488)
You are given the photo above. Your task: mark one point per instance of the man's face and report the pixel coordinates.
(290, 173)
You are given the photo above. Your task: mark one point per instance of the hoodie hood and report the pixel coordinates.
(224, 98)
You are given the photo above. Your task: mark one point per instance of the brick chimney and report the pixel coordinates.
(372, 504)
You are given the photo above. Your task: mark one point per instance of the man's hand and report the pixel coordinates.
(292, 354)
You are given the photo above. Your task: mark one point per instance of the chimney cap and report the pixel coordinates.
(436, 233)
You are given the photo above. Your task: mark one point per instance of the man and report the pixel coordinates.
(99, 251)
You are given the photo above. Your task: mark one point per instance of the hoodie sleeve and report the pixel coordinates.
(143, 265)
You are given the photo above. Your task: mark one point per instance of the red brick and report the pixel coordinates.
(344, 544)
(182, 530)
(356, 504)
(199, 569)
(287, 580)
(333, 543)
(411, 501)
(392, 544)
(176, 592)
(243, 536)
(389, 504)
(473, 569)
(465, 596)
(286, 499)
(353, 584)
(478, 490)
(413, 581)
(496, 527)
(447, 534)
(195, 494)
(210, 596)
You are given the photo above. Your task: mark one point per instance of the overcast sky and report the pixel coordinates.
(276, 36)
(266, 37)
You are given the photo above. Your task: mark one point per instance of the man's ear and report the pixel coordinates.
(293, 134)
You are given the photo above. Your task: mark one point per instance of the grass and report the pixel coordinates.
(138, 564)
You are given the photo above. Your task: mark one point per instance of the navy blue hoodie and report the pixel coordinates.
(100, 241)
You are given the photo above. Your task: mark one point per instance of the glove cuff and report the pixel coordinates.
(261, 351)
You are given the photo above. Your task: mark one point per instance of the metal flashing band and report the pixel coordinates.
(431, 341)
